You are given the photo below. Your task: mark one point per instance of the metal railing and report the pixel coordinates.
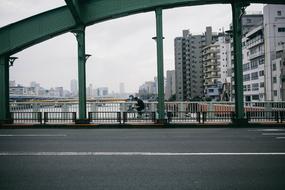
(120, 112)
(147, 117)
(59, 117)
(134, 117)
(266, 116)
(183, 117)
(27, 117)
(104, 117)
(217, 117)
(192, 107)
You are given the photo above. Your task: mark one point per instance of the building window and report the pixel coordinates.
(274, 67)
(246, 77)
(211, 90)
(254, 64)
(281, 29)
(246, 67)
(255, 97)
(255, 87)
(247, 98)
(261, 61)
(254, 76)
(262, 85)
(275, 92)
(278, 13)
(261, 73)
(248, 88)
(274, 80)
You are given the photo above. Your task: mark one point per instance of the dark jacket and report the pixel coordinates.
(140, 104)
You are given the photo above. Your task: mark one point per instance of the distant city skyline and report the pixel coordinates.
(34, 87)
(122, 49)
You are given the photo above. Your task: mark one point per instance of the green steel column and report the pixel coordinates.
(160, 74)
(4, 89)
(238, 71)
(80, 36)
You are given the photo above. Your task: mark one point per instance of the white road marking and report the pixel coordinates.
(33, 135)
(273, 134)
(280, 137)
(141, 154)
(267, 130)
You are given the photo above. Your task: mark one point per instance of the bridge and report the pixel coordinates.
(77, 15)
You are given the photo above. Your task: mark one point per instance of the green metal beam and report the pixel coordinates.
(160, 72)
(120, 8)
(4, 89)
(80, 36)
(238, 70)
(75, 10)
(25, 33)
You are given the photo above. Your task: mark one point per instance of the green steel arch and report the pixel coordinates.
(77, 14)
(25, 33)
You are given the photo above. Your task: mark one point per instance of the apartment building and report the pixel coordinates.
(253, 65)
(263, 55)
(216, 67)
(249, 22)
(188, 63)
(274, 39)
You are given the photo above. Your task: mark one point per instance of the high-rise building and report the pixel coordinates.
(36, 86)
(216, 67)
(148, 87)
(263, 56)
(74, 87)
(274, 39)
(188, 63)
(156, 85)
(122, 88)
(59, 91)
(170, 84)
(282, 59)
(253, 65)
(102, 92)
(249, 21)
(148, 90)
(89, 91)
(188, 66)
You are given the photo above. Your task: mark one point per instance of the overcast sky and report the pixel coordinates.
(122, 49)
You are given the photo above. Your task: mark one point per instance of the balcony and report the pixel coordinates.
(211, 63)
(210, 57)
(255, 55)
(212, 76)
(207, 52)
(255, 43)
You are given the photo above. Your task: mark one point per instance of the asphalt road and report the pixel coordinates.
(142, 159)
